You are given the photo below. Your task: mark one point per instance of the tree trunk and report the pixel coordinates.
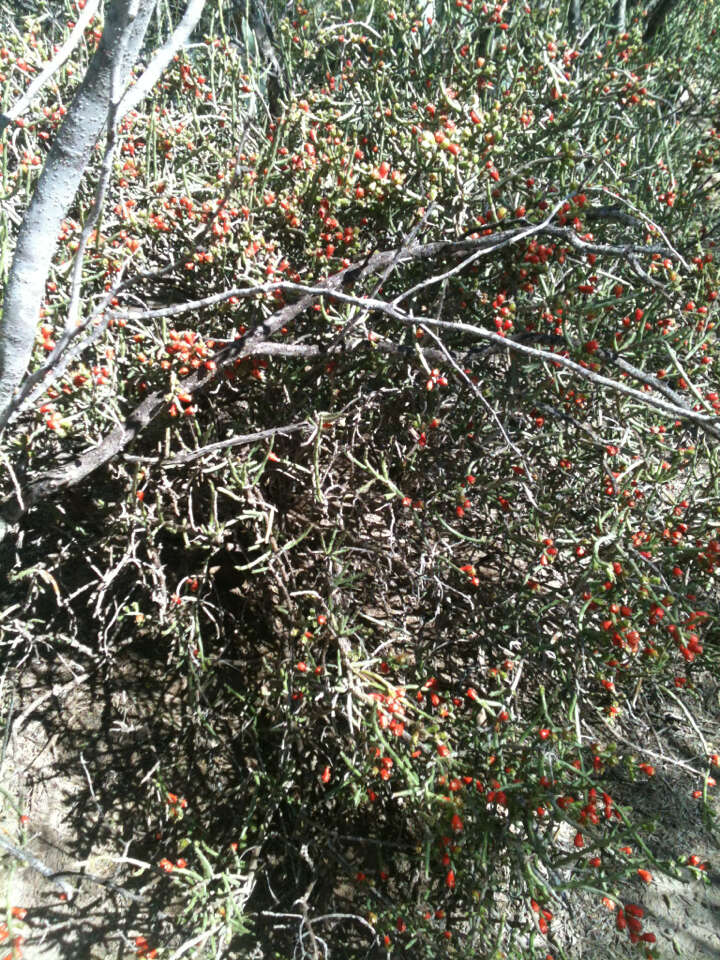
(575, 19)
(125, 25)
(620, 16)
(657, 16)
(270, 55)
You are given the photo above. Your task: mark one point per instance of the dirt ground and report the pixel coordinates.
(684, 913)
(74, 743)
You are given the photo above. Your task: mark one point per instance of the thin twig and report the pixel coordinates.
(35, 864)
(57, 690)
(17, 110)
(191, 455)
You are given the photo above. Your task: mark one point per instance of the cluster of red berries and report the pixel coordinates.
(190, 349)
(176, 805)
(630, 919)
(544, 916)
(168, 866)
(143, 948)
(436, 379)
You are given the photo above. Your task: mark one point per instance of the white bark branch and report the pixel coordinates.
(147, 80)
(57, 61)
(55, 191)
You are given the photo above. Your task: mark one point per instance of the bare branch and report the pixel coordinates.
(147, 80)
(19, 108)
(42, 868)
(64, 169)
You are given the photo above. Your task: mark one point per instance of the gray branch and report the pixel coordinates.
(125, 27)
(144, 84)
(18, 108)
(35, 864)
(657, 17)
(620, 16)
(575, 19)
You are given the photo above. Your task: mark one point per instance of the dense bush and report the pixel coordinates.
(389, 440)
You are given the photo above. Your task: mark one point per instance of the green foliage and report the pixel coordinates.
(418, 637)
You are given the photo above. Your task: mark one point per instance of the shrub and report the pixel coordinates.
(395, 397)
